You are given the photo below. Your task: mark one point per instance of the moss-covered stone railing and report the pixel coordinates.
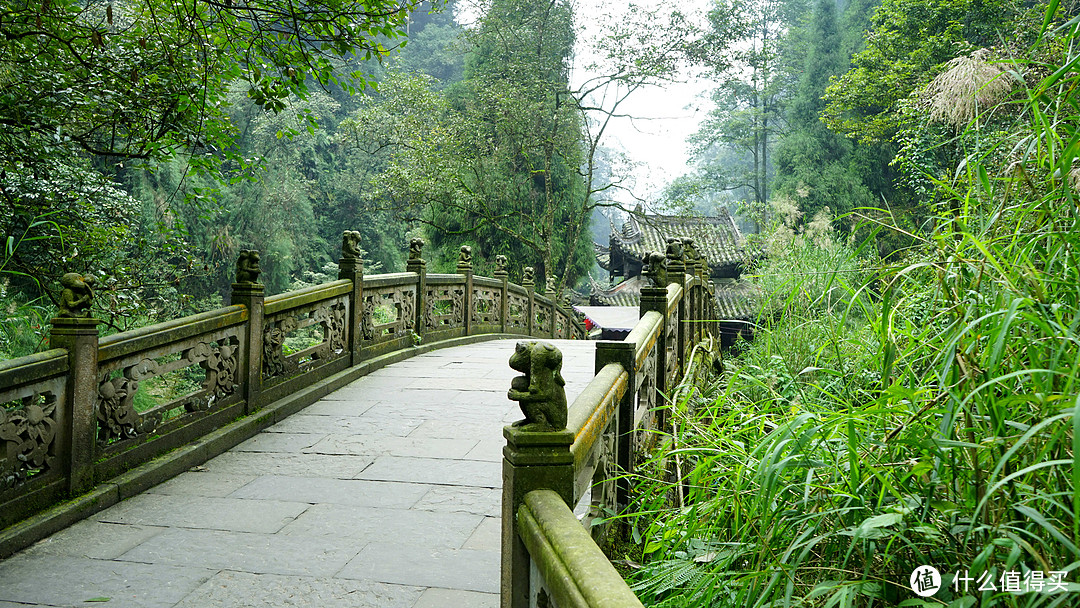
(82, 415)
(549, 557)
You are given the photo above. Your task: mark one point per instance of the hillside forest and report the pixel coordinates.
(906, 169)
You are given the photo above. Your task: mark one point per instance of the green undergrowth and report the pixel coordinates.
(923, 413)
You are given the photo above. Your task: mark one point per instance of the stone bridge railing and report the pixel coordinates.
(549, 557)
(86, 418)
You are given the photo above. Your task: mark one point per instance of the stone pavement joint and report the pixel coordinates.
(385, 493)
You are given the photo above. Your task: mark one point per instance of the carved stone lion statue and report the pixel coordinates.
(690, 249)
(77, 296)
(540, 391)
(528, 275)
(549, 288)
(416, 248)
(350, 245)
(500, 263)
(465, 257)
(654, 267)
(674, 249)
(247, 266)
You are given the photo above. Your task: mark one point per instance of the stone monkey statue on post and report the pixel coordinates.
(540, 391)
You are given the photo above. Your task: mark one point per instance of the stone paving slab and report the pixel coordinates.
(246, 590)
(386, 425)
(201, 482)
(255, 553)
(280, 442)
(449, 429)
(71, 581)
(435, 597)
(265, 516)
(476, 473)
(320, 490)
(462, 569)
(295, 465)
(384, 493)
(457, 499)
(487, 536)
(333, 407)
(407, 528)
(94, 539)
(395, 446)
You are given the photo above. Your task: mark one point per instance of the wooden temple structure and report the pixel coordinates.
(716, 238)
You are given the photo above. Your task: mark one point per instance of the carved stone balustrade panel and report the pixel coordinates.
(30, 418)
(303, 338)
(140, 392)
(517, 312)
(487, 306)
(445, 307)
(389, 312)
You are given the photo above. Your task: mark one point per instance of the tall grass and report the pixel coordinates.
(925, 415)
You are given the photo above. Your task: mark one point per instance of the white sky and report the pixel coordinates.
(664, 116)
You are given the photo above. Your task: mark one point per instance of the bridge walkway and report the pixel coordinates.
(385, 493)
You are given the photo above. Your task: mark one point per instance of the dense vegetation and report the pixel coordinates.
(920, 409)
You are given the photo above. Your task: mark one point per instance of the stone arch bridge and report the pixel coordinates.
(345, 444)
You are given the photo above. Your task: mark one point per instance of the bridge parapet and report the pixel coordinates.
(549, 558)
(95, 407)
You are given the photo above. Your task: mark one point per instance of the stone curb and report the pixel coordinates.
(36, 527)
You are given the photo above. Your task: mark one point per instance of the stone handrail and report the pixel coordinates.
(82, 416)
(615, 420)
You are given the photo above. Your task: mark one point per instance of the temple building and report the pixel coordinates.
(716, 238)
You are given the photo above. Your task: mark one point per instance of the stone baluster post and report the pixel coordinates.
(654, 298)
(464, 268)
(351, 267)
(417, 265)
(504, 295)
(623, 353)
(537, 456)
(248, 292)
(528, 282)
(676, 269)
(75, 331)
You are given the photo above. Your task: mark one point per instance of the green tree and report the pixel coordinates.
(748, 37)
(508, 159)
(87, 89)
(909, 42)
(813, 165)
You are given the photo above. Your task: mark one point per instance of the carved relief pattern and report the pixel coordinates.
(646, 402)
(220, 363)
(671, 339)
(430, 322)
(274, 334)
(332, 318)
(115, 412)
(440, 316)
(543, 318)
(27, 435)
(518, 311)
(406, 302)
(604, 474)
(560, 326)
(458, 297)
(486, 306)
(367, 319)
(401, 301)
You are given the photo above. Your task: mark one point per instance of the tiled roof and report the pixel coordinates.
(717, 238)
(734, 299)
(627, 293)
(603, 256)
(738, 299)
